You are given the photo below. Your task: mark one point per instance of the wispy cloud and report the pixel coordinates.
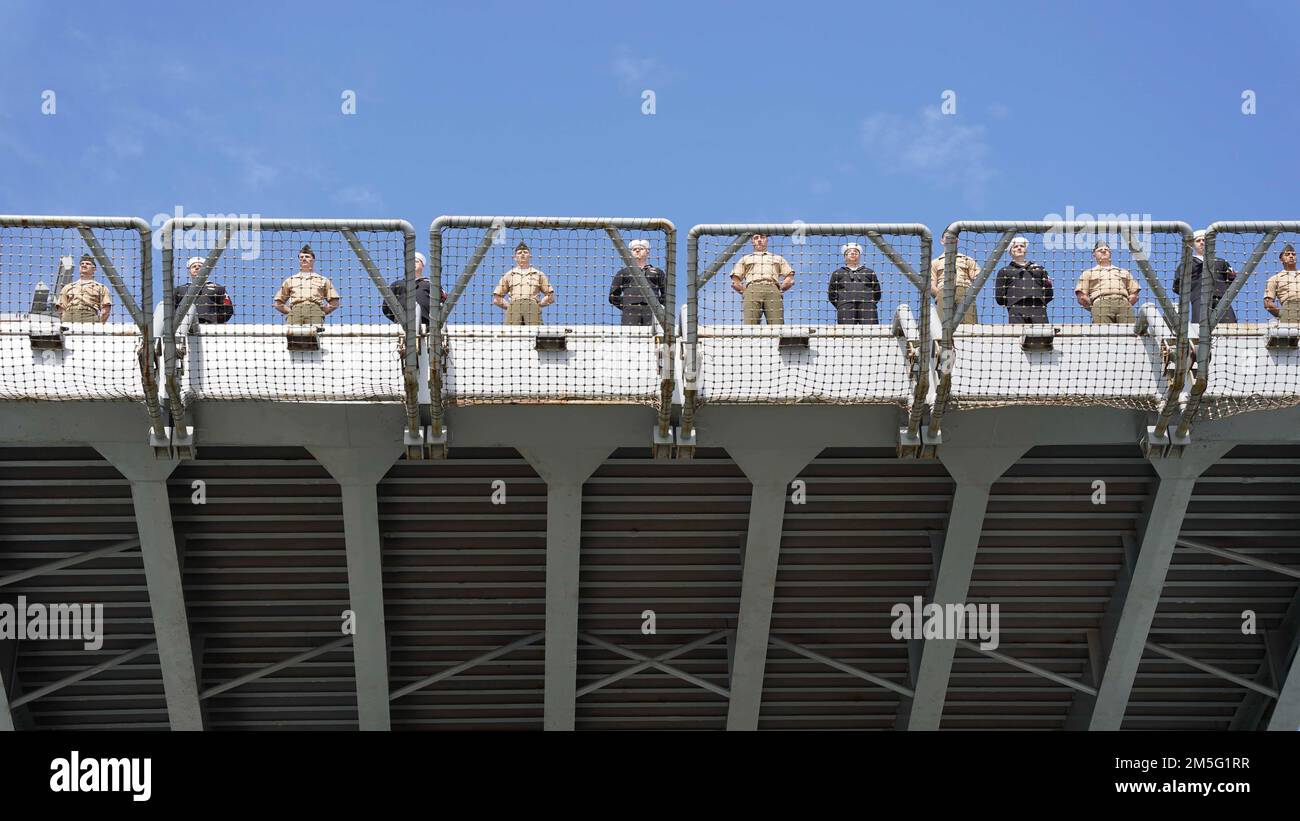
(124, 144)
(358, 196)
(254, 172)
(940, 149)
(636, 72)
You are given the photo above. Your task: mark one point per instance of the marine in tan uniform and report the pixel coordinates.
(1282, 293)
(761, 278)
(300, 296)
(85, 300)
(522, 284)
(967, 271)
(1108, 291)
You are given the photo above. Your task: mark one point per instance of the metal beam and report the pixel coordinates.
(162, 569)
(1132, 609)
(657, 663)
(975, 470)
(275, 668)
(466, 665)
(841, 666)
(1211, 669)
(1293, 572)
(1286, 713)
(565, 466)
(358, 471)
(770, 472)
(1029, 668)
(8, 673)
(69, 561)
(130, 655)
(1279, 645)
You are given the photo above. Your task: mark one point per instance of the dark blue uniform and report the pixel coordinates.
(854, 292)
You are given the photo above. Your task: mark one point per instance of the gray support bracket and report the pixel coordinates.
(8, 675)
(162, 569)
(358, 471)
(1280, 644)
(1132, 607)
(770, 469)
(565, 467)
(975, 470)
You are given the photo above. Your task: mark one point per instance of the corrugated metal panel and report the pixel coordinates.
(55, 503)
(857, 546)
(1249, 503)
(265, 577)
(464, 576)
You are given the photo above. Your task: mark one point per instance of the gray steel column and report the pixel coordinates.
(565, 465)
(771, 475)
(8, 659)
(1129, 616)
(1286, 713)
(358, 471)
(975, 470)
(162, 569)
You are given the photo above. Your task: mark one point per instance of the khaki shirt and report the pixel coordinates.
(967, 270)
(87, 293)
(1283, 287)
(762, 267)
(522, 283)
(1098, 282)
(307, 286)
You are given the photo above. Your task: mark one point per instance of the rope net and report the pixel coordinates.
(65, 329)
(562, 318)
(289, 315)
(808, 318)
(1054, 319)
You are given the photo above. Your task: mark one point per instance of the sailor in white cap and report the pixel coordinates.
(1023, 287)
(626, 293)
(423, 288)
(213, 304)
(1222, 278)
(854, 289)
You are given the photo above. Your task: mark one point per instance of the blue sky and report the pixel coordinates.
(764, 112)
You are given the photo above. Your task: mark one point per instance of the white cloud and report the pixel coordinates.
(637, 72)
(253, 172)
(938, 148)
(358, 196)
(124, 145)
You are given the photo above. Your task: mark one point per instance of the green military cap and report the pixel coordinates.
(522, 246)
(306, 249)
(87, 258)
(1285, 248)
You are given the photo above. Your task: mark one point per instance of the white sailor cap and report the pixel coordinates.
(1198, 234)
(850, 246)
(420, 258)
(199, 260)
(639, 243)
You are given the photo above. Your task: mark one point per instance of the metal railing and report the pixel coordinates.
(1130, 232)
(878, 236)
(223, 228)
(1216, 312)
(86, 226)
(461, 273)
